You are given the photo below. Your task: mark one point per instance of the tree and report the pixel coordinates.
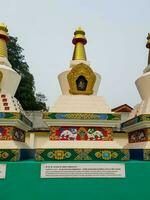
(26, 89)
(41, 101)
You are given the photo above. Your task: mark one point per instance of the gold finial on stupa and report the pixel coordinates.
(3, 31)
(79, 41)
(3, 27)
(3, 40)
(148, 46)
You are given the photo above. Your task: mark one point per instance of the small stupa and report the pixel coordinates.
(81, 124)
(138, 124)
(13, 121)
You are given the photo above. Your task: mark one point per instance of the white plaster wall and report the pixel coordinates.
(10, 144)
(27, 138)
(80, 104)
(42, 141)
(10, 80)
(13, 104)
(143, 85)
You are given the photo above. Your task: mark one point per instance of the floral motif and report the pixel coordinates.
(58, 154)
(53, 136)
(82, 134)
(106, 154)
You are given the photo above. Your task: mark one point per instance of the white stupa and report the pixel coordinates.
(138, 124)
(79, 119)
(142, 84)
(13, 122)
(75, 99)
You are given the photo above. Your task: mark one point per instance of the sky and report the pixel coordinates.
(116, 31)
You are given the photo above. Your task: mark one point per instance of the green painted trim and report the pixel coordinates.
(135, 120)
(81, 154)
(15, 115)
(82, 116)
(9, 154)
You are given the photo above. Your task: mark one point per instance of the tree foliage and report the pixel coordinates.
(26, 90)
(41, 101)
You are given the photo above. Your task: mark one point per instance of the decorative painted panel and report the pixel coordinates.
(11, 133)
(80, 133)
(82, 116)
(9, 115)
(15, 115)
(81, 154)
(9, 154)
(138, 136)
(144, 117)
(19, 135)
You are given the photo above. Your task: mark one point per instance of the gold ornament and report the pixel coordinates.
(79, 41)
(3, 40)
(77, 85)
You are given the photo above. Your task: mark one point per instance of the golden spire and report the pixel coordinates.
(3, 40)
(148, 46)
(79, 41)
